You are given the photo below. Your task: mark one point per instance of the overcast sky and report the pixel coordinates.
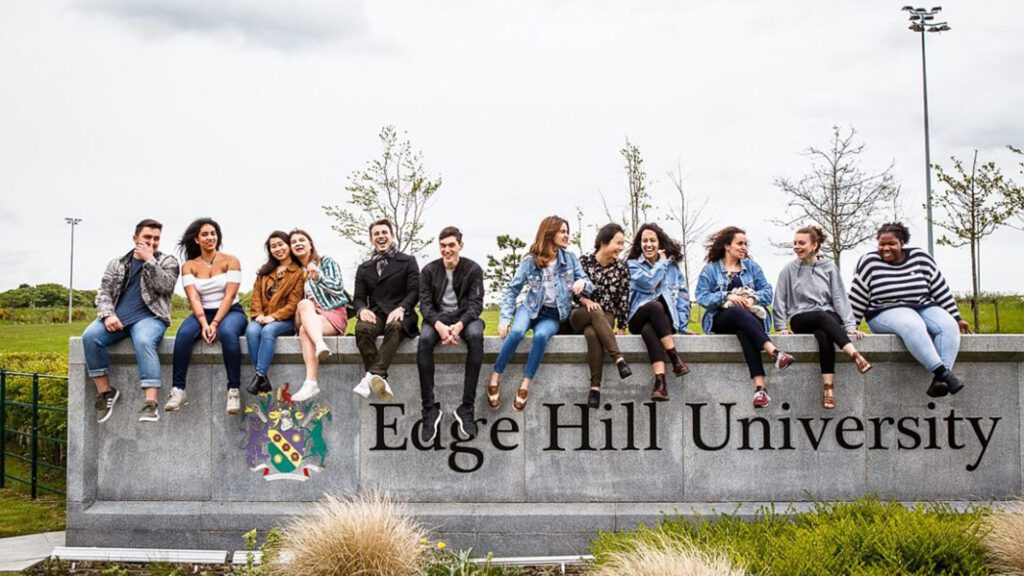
(256, 112)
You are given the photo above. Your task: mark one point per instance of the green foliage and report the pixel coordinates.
(52, 392)
(44, 295)
(442, 562)
(501, 269)
(269, 551)
(20, 515)
(864, 537)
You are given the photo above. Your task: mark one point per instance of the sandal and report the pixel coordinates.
(862, 363)
(493, 399)
(828, 399)
(520, 402)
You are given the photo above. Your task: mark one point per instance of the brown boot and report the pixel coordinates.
(679, 368)
(660, 392)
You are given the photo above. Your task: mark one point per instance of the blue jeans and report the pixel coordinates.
(260, 339)
(146, 335)
(545, 325)
(229, 330)
(931, 335)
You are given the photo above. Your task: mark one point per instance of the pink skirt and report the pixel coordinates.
(338, 317)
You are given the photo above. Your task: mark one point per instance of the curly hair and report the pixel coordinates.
(897, 229)
(188, 246)
(717, 242)
(671, 248)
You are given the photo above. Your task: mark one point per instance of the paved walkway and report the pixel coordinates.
(20, 552)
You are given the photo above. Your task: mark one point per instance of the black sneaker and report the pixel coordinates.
(105, 404)
(624, 370)
(953, 383)
(938, 388)
(594, 398)
(150, 412)
(431, 423)
(260, 385)
(466, 418)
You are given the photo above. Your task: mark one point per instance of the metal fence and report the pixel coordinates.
(33, 460)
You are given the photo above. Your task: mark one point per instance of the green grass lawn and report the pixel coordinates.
(20, 515)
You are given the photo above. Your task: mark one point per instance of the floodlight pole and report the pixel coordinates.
(71, 277)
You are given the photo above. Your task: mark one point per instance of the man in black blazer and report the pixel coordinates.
(387, 289)
(451, 300)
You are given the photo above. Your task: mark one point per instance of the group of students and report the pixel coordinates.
(897, 289)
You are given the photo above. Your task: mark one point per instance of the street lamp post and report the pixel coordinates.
(922, 20)
(71, 280)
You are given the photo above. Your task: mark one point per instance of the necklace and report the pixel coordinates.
(209, 263)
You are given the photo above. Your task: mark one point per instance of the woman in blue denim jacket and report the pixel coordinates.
(659, 302)
(735, 296)
(552, 275)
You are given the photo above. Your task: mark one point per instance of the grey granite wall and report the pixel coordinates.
(556, 473)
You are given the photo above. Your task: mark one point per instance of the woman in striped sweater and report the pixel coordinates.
(900, 291)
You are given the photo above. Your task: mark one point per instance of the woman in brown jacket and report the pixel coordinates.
(275, 295)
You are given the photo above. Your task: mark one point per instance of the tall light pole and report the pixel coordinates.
(71, 280)
(922, 21)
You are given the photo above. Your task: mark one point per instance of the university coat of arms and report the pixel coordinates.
(284, 440)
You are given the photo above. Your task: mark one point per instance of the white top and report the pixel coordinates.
(211, 290)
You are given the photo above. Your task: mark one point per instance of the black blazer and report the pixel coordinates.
(468, 283)
(397, 285)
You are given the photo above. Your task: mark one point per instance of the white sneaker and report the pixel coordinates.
(363, 388)
(381, 388)
(234, 401)
(178, 400)
(309, 390)
(322, 351)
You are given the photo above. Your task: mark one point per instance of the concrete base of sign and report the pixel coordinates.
(545, 480)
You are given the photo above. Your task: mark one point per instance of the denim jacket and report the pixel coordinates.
(567, 271)
(712, 288)
(663, 278)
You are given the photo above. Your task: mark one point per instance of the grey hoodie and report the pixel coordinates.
(809, 287)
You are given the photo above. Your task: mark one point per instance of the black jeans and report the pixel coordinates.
(750, 331)
(653, 322)
(473, 335)
(828, 329)
(377, 361)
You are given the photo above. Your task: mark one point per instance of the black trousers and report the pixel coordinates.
(653, 322)
(750, 331)
(828, 329)
(473, 335)
(377, 361)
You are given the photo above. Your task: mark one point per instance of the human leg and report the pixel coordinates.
(229, 330)
(184, 340)
(425, 363)
(146, 336)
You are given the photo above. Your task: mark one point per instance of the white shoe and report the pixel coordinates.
(309, 390)
(177, 400)
(322, 351)
(234, 401)
(363, 388)
(381, 388)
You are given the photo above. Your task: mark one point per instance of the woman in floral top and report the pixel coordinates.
(596, 316)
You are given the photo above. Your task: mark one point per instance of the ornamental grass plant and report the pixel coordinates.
(1005, 540)
(662, 555)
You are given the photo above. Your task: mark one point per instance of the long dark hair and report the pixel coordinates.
(543, 248)
(719, 240)
(272, 263)
(665, 242)
(606, 234)
(188, 246)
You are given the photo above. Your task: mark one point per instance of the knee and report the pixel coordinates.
(364, 328)
(304, 307)
(226, 334)
(253, 330)
(392, 327)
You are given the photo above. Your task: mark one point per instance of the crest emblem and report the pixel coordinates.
(284, 440)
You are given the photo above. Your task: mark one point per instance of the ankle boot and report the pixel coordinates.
(660, 392)
(679, 368)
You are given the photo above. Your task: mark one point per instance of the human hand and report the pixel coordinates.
(456, 331)
(312, 271)
(397, 315)
(143, 251)
(578, 286)
(443, 331)
(785, 331)
(112, 323)
(965, 327)
(264, 319)
(210, 333)
(620, 332)
(590, 304)
(857, 334)
(739, 301)
(367, 315)
(503, 330)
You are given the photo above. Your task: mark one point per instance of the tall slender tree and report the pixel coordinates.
(691, 217)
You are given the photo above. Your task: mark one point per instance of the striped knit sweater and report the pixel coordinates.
(916, 283)
(329, 288)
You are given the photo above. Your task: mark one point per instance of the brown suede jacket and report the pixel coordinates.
(277, 294)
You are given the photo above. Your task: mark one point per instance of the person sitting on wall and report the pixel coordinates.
(134, 300)
(899, 290)
(387, 289)
(451, 300)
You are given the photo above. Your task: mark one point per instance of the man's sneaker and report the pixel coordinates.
(150, 412)
(761, 398)
(234, 401)
(782, 360)
(431, 423)
(105, 404)
(322, 351)
(260, 385)
(381, 388)
(467, 421)
(363, 388)
(309, 390)
(177, 400)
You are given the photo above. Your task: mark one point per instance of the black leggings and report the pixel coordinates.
(828, 329)
(750, 331)
(653, 322)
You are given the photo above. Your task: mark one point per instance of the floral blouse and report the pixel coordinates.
(611, 287)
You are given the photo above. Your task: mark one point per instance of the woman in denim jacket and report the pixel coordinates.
(659, 302)
(553, 275)
(735, 296)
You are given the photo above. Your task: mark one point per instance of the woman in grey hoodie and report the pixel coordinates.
(811, 299)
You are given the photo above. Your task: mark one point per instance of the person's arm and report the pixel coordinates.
(475, 298)
(941, 294)
(780, 312)
(708, 296)
(508, 299)
(840, 301)
(234, 280)
(256, 306)
(161, 275)
(682, 303)
(359, 301)
(295, 294)
(860, 293)
(412, 286)
(427, 309)
(105, 295)
(762, 289)
(329, 279)
(578, 273)
(188, 282)
(646, 279)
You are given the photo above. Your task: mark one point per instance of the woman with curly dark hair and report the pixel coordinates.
(735, 296)
(659, 303)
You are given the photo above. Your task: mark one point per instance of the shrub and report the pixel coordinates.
(365, 535)
(1005, 541)
(665, 556)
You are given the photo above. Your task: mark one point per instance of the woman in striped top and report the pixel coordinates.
(900, 291)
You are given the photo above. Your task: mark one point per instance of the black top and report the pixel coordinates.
(468, 283)
(397, 285)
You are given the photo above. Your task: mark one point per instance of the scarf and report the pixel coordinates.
(381, 259)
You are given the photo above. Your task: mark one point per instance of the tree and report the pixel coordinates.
(976, 205)
(501, 269)
(693, 222)
(635, 212)
(395, 186)
(1016, 196)
(839, 196)
(577, 235)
